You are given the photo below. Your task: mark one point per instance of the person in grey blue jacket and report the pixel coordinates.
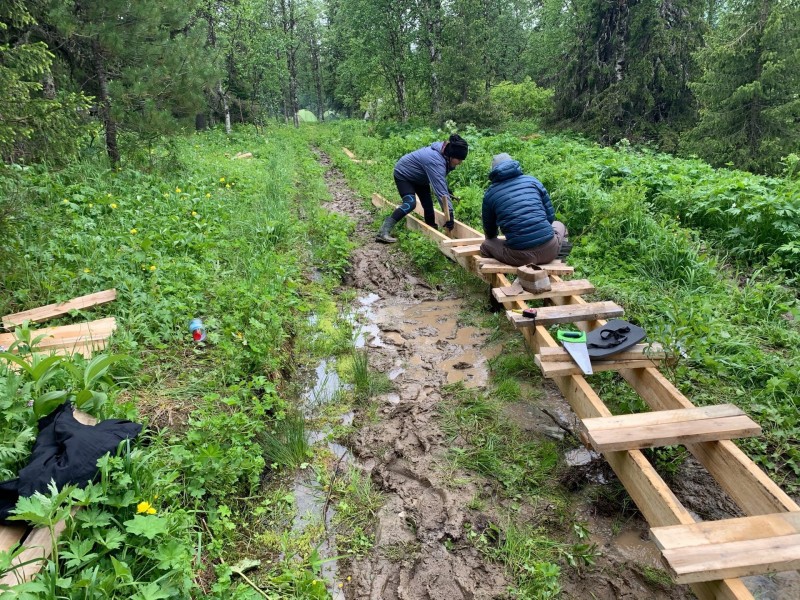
(419, 171)
(520, 206)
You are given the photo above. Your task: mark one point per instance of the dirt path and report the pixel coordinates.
(421, 552)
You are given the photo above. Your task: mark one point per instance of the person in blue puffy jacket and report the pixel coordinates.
(520, 207)
(419, 171)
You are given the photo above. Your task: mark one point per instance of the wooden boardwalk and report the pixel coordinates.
(710, 556)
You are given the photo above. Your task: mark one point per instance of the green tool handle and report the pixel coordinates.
(575, 337)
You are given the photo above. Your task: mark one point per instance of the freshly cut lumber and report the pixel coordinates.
(731, 547)
(473, 250)
(669, 427)
(43, 313)
(567, 313)
(491, 265)
(637, 352)
(38, 544)
(562, 369)
(558, 289)
(242, 155)
(66, 335)
(470, 241)
(348, 153)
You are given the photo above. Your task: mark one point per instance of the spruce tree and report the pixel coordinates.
(749, 89)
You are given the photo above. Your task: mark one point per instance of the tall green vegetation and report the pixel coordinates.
(748, 87)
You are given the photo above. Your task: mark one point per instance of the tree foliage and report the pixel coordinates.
(749, 87)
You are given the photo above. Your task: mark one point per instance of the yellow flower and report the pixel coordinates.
(134, 231)
(194, 214)
(146, 508)
(177, 190)
(221, 179)
(87, 270)
(109, 195)
(348, 578)
(90, 205)
(152, 267)
(228, 185)
(65, 201)
(113, 205)
(208, 195)
(341, 585)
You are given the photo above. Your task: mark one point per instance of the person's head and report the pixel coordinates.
(456, 150)
(499, 159)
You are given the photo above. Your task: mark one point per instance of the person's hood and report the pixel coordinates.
(505, 170)
(437, 146)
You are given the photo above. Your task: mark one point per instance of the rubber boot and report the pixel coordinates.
(494, 305)
(566, 248)
(386, 229)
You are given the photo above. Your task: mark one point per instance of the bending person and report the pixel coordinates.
(520, 206)
(419, 171)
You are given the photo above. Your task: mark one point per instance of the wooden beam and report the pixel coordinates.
(560, 369)
(637, 352)
(514, 292)
(552, 315)
(467, 241)
(43, 313)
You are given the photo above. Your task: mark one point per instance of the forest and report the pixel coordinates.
(716, 79)
(353, 421)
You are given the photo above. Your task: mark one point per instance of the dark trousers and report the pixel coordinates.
(408, 192)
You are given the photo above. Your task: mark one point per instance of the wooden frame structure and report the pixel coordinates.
(749, 487)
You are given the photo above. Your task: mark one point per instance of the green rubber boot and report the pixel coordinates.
(386, 229)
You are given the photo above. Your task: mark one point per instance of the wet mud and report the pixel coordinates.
(421, 552)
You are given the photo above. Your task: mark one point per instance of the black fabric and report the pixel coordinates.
(615, 336)
(66, 452)
(457, 147)
(423, 192)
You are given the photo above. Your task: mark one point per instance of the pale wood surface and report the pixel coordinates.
(43, 313)
(514, 292)
(637, 352)
(60, 337)
(491, 265)
(473, 250)
(467, 241)
(561, 369)
(671, 434)
(726, 530)
(552, 315)
(663, 417)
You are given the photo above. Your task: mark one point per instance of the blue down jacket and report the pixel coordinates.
(519, 205)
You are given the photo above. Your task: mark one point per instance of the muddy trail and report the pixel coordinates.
(421, 548)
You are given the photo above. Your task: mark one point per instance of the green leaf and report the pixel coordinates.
(148, 526)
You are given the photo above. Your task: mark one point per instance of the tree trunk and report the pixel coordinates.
(225, 107)
(105, 105)
(48, 85)
(315, 65)
(400, 85)
(434, 33)
(288, 18)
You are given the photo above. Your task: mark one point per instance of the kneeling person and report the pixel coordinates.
(520, 206)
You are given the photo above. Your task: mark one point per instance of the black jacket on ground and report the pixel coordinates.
(66, 452)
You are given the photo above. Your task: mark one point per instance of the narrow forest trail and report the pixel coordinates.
(422, 551)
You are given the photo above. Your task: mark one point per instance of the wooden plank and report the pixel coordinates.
(561, 369)
(43, 313)
(10, 536)
(573, 287)
(491, 265)
(470, 241)
(726, 530)
(734, 559)
(474, 250)
(663, 417)
(56, 337)
(672, 434)
(637, 352)
(551, 315)
(348, 153)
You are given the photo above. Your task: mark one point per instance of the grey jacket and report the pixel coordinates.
(426, 165)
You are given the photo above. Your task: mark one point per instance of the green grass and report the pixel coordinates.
(287, 446)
